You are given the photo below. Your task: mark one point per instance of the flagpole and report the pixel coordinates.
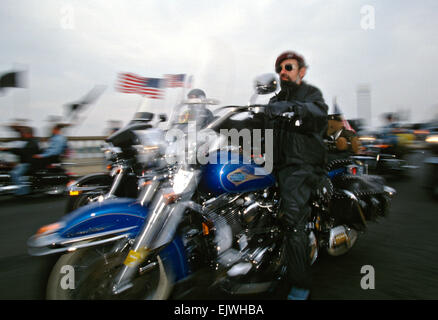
(334, 103)
(163, 86)
(183, 91)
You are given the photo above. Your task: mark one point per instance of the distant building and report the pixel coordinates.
(363, 93)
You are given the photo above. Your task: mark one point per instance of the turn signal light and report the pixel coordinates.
(48, 228)
(71, 182)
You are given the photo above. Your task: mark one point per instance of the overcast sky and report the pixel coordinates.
(67, 47)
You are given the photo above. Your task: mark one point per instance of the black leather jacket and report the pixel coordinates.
(25, 153)
(304, 144)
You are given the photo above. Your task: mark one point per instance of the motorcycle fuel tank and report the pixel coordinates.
(232, 173)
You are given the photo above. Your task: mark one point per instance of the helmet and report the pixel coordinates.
(196, 93)
(290, 55)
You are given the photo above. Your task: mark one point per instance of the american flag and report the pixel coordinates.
(175, 80)
(347, 125)
(131, 83)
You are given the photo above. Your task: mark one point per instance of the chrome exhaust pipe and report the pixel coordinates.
(341, 240)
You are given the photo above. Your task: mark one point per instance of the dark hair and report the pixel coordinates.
(57, 127)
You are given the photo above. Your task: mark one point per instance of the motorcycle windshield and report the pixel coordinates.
(192, 113)
(187, 120)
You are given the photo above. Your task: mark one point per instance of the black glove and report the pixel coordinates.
(285, 109)
(277, 109)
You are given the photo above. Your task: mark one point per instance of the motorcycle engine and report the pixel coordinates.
(243, 225)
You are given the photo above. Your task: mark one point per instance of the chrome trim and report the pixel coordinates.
(84, 189)
(147, 268)
(91, 236)
(349, 194)
(363, 158)
(350, 237)
(116, 182)
(39, 245)
(35, 251)
(390, 191)
(233, 110)
(9, 188)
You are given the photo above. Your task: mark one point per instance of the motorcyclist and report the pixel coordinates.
(390, 137)
(342, 143)
(25, 154)
(199, 111)
(56, 148)
(300, 157)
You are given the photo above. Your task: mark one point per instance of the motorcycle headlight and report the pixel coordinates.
(71, 183)
(182, 180)
(108, 154)
(147, 154)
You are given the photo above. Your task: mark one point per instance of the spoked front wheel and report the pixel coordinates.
(88, 274)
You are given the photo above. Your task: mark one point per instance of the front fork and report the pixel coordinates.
(116, 183)
(158, 230)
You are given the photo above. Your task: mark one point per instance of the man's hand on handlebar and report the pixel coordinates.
(284, 109)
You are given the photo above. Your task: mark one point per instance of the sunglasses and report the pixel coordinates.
(287, 67)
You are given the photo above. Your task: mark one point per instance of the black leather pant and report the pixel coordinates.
(296, 184)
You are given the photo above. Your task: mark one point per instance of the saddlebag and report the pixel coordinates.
(369, 192)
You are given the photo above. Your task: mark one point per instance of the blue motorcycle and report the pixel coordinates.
(207, 216)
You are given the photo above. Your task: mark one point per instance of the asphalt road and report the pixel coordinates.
(401, 249)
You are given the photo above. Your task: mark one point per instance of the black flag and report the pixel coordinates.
(72, 109)
(12, 80)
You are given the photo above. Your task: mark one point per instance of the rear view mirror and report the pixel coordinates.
(266, 83)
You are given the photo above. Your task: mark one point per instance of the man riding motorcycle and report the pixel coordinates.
(186, 230)
(25, 154)
(300, 160)
(57, 147)
(199, 110)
